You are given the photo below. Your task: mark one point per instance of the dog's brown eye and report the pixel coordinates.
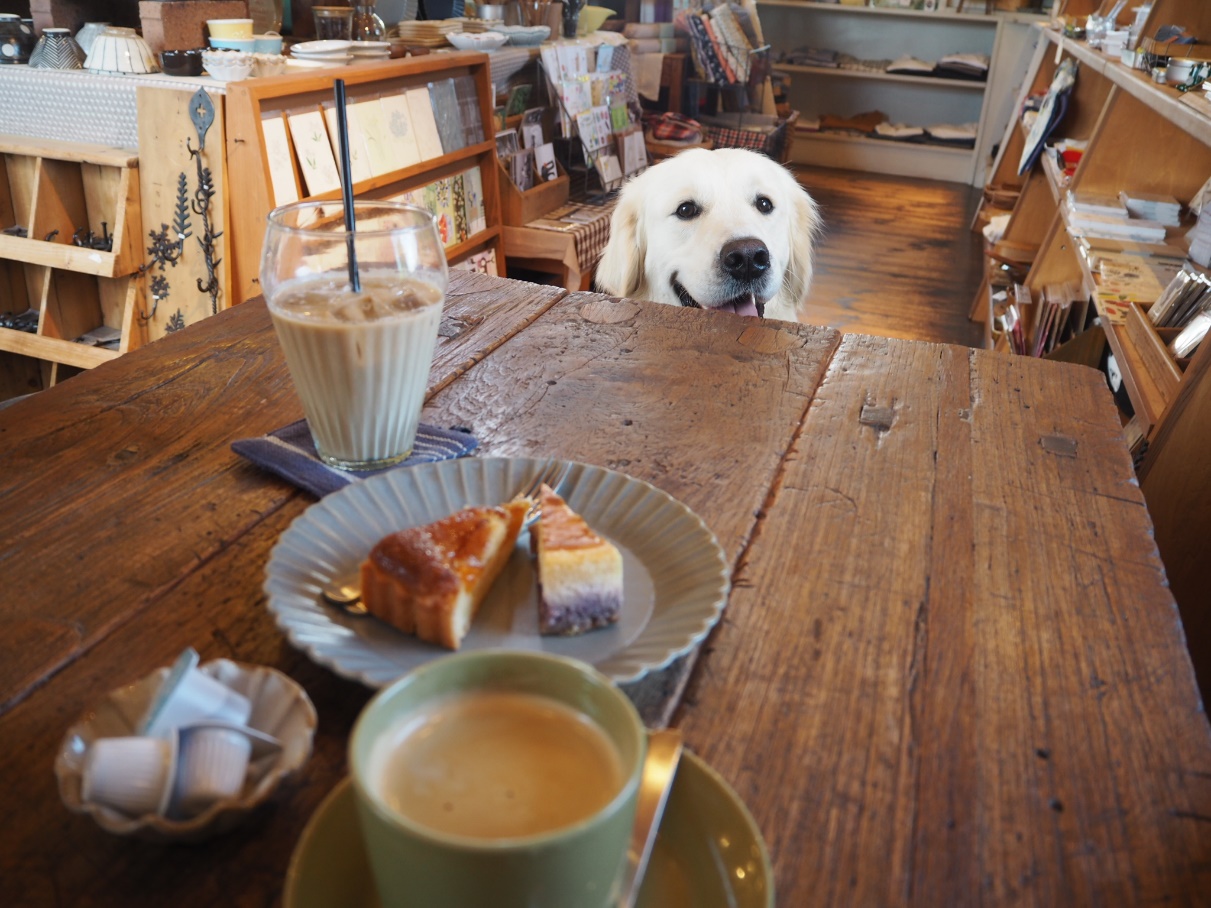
(764, 205)
(687, 211)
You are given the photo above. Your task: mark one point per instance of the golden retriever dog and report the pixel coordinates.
(726, 229)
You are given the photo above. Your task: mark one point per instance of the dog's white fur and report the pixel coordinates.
(651, 248)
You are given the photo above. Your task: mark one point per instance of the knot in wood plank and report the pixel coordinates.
(878, 418)
(1062, 445)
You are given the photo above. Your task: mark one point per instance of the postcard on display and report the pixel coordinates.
(315, 156)
(468, 109)
(573, 61)
(359, 160)
(473, 191)
(444, 98)
(397, 117)
(608, 169)
(506, 143)
(632, 151)
(424, 126)
(372, 125)
(281, 160)
(544, 162)
(605, 58)
(594, 127)
(531, 128)
(458, 202)
(576, 95)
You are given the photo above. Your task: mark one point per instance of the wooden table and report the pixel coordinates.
(950, 671)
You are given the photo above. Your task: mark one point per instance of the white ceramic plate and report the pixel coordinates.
(321, 47)
(675, 575)
(485, 41)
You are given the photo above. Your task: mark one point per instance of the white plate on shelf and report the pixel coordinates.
(675, 575)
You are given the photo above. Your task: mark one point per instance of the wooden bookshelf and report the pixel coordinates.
(1141, 136)
(249, 162)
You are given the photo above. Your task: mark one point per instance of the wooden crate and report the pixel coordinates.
(520, 208)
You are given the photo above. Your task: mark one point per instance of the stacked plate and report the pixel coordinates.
(323, 53)
(370, 50)
(435, 32)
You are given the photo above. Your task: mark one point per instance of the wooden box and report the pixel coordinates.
(181, 24)
(520, 208)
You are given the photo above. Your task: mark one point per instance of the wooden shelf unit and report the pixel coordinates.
(248, 164)
(887, 33)
(50, 191)
(1141, 137)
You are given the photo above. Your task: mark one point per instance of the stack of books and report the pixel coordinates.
(1106, 216)
(1164, 209)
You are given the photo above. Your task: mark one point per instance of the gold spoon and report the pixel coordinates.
(659, 769)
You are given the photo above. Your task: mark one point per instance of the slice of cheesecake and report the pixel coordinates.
(430, 580)
(579, 573)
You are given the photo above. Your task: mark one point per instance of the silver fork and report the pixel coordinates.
(348, 596)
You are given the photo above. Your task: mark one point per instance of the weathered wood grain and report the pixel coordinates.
(125, 482)
(942, 681)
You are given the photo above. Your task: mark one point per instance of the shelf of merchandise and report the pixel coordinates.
(247, 157)
(887, 33)
(50, 191)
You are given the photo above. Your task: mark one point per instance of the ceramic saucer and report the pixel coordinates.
(708, 852)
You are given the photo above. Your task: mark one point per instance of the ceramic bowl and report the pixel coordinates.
(88, 34)
(280, 708)
(227, 65)
(321, 48)
(268, 43)
(592, 18)
(57, 49)
(525, 35)
(247, 45)
(16, 39)
(485, 41)
(229, 28)
(268, 65)
(181, 62)
(120, 50)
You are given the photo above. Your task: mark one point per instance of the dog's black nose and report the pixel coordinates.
(745, 259)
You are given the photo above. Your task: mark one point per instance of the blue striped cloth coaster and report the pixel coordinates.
(290, 453)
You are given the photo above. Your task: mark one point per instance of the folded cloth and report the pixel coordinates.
(290, 453)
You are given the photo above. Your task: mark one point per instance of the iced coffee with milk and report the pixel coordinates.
(359, 356)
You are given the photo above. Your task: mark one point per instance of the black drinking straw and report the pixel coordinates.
(342, 131)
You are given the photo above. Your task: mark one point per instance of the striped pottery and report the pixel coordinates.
(57, 49)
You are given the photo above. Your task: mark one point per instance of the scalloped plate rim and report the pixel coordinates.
(618, 666)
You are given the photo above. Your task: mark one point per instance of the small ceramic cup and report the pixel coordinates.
(229, 28)
(268, 43)
(576, 861)
(181, 62)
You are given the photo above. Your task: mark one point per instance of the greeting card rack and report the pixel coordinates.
(260, 159)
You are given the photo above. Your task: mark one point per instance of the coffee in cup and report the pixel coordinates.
(498, 778)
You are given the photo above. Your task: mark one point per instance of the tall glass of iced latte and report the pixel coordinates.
(359, 357)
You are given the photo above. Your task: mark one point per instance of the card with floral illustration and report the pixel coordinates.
(316, 161)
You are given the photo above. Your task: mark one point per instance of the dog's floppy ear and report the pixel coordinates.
(621, 269)
(805, 225)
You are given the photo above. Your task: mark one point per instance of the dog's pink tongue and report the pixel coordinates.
(746, 306)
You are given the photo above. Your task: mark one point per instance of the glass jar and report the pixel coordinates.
(367, 26)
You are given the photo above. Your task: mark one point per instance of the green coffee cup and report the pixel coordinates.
(465, 704)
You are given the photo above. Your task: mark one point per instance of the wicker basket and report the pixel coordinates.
(775, 144)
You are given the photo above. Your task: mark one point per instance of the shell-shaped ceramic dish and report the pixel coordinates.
(268, 64)
(675, 575)
(227, 65)
(280, 708)
(485, 41)
(120, 50)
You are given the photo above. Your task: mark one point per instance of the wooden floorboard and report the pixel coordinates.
(896, 257)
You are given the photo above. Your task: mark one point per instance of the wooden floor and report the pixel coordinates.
(897, 257)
